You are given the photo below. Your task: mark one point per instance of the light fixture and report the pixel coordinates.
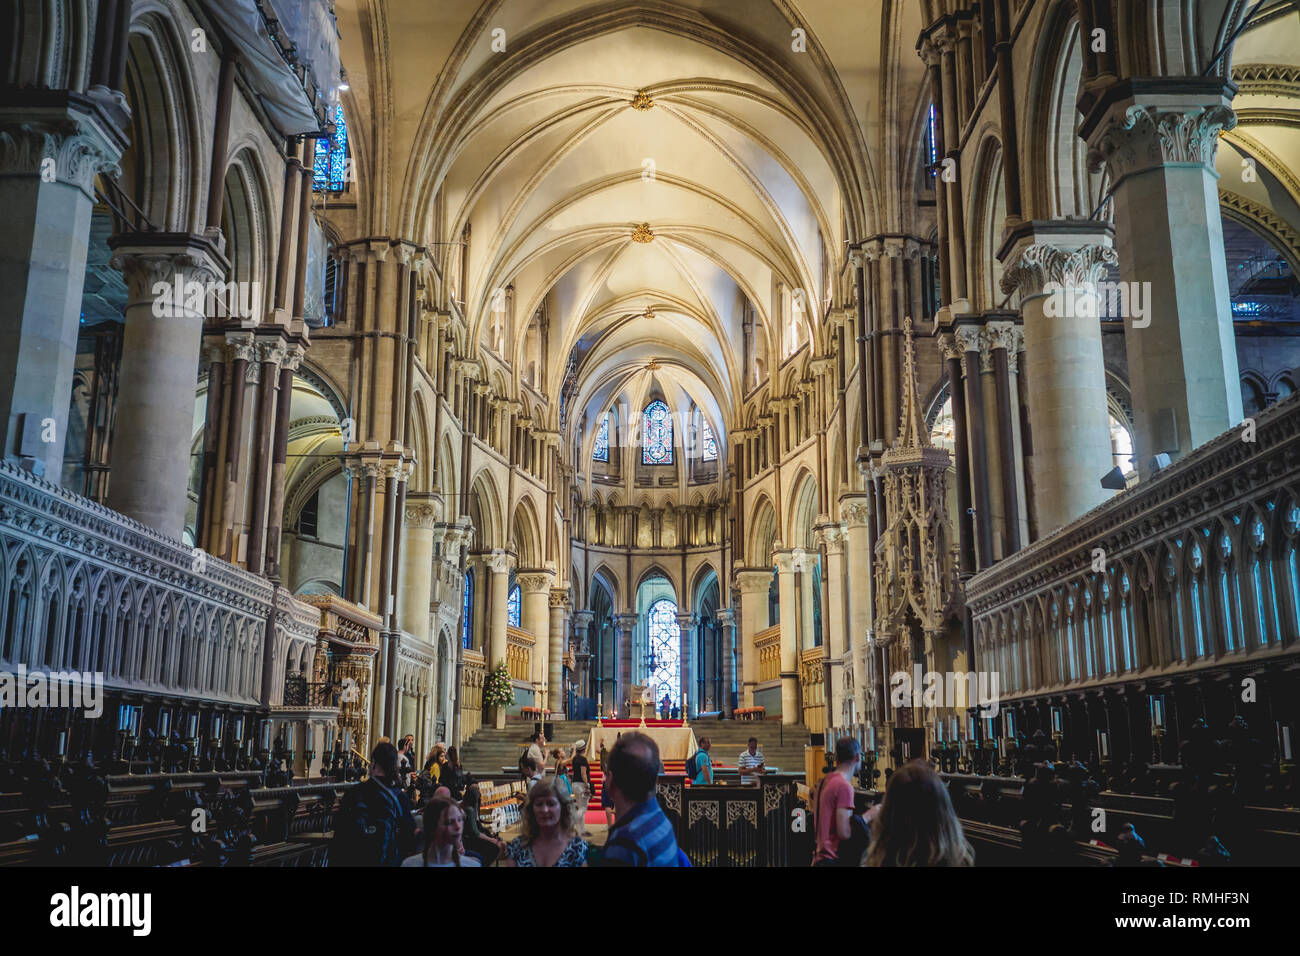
(344, 86)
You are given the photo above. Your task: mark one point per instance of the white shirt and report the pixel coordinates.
(747, 761)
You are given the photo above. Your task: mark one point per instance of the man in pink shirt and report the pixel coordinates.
(834, 804)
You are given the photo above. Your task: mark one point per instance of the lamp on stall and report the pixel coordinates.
(1157, 725)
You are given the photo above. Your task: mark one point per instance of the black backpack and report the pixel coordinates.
(692, 765)
(367, 827)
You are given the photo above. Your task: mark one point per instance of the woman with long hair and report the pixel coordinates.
(452, 776)
(443, 826)
(487, 847)
(917, 825)
(550, 836)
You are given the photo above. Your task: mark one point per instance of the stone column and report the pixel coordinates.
(832, 536)
(556, 642)
(421, 513)
(856, 512)
(534, 617)
(686, 622)
(49, 157)
(1004, 340)
(625, 623)
(1055, 268)
(727, 621)
(1156, 139)
(168, 277)
(497, 564)
(788, 564)
(753, 584)
(969, 341)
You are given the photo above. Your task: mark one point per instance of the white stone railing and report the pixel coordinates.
(86, 589)
(1195, 566)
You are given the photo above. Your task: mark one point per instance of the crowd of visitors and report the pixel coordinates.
(398, 817)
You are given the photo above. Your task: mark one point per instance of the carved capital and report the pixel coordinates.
(498, 562)
(171, 273)
(1037, 268)
(753, 581)
(726, 617)
(423, 515)
(71, 149)
(856, 512)
(241, 345)
(1140, 137)
(559, 598)
(948, 347)
(533, 581)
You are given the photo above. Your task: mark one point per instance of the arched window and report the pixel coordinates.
(665, 652)
(710, 443)
(330, 166)
(932, 141)
(600, 450)
(512, 607)
(467, 612)
(656, 434)
(1121, 446)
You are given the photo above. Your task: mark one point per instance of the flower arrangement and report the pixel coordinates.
(497, 689)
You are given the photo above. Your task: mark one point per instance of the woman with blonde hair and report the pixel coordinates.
(917, 825)
(550, 835)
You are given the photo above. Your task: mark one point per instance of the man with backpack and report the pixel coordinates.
(374, 825)
(699, 767)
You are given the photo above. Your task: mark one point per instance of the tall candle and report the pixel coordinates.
(193, 726)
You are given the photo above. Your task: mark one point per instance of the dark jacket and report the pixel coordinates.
(373, 826)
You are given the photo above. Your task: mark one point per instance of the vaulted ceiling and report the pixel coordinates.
(753, 137)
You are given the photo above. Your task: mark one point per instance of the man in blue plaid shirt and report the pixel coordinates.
(641, 835)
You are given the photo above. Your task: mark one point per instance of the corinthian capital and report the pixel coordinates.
(533, 581)
(422, 515)
(68, 148)
(1034, 268)
(1141, 137)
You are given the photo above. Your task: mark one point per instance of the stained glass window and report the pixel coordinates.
(656, 434)
(665, 652)
(932, 141)
(329, 170)
(600, 451)
(710, 443)
(512, 607)
(466, 611)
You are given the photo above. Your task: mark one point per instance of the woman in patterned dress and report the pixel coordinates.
(550, 836)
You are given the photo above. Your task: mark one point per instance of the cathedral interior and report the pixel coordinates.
(916, 371)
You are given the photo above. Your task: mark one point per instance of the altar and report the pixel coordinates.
(674, 743)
